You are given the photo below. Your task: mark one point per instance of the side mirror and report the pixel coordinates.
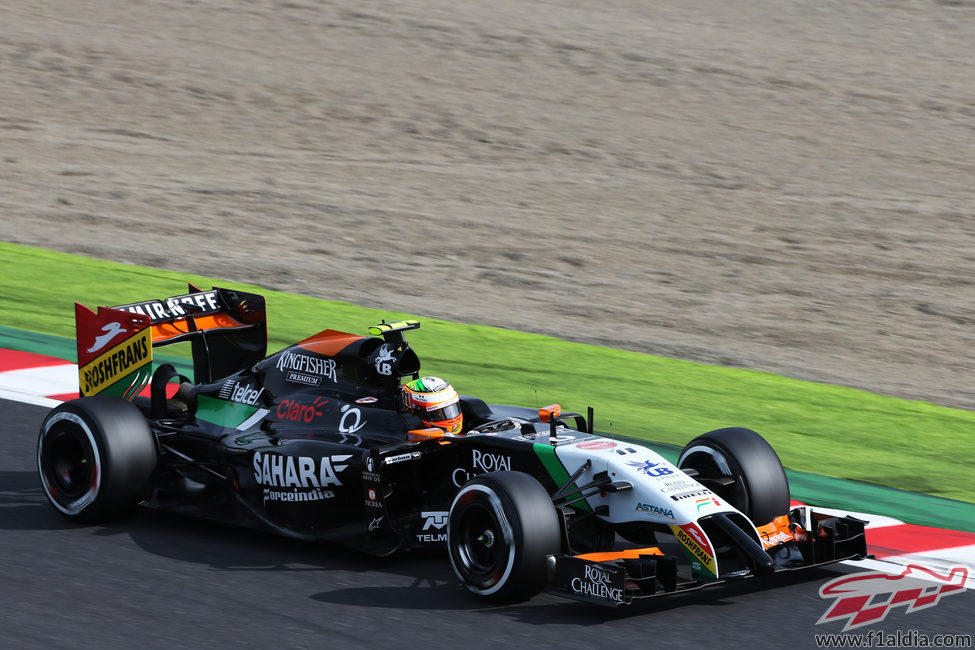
(546, 413)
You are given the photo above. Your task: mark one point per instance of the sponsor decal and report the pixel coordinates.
(294, 496)
(598, 583)
(235, 391)
(371, 494)
(383, 359)
(295, 411)
(375, 523)
(297, 478)
(698, 536)
(303, 367)
(399, 458)
(372, 499)
(649, 507)
(488, 462)
(692, 538)
(369, 470)
(298, 378)
(99, 331)
(710, 501)
(867, 598)
(299, 472)
(176, 307)
(433, 386)
(650, 469)
(351, 420)
(434, 519)
(692, 493)
(596, 445)
(483, 461)
(437, 520)
(151, 308)
(460, 476)
(676, 485)
(111, 330)
(367, 400)
(116, 363)
(778, 538)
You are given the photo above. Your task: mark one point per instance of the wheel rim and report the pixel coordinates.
(71, 464)
(480, 544)
(68, 463)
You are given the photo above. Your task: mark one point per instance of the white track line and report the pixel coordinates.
(26, 398)
(45, 380)
(34, 385)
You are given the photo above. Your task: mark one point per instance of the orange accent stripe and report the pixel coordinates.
(329, 342)
(776, 531)
(166, 331)
(628, 554)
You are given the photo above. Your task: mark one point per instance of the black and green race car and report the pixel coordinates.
(314, 442)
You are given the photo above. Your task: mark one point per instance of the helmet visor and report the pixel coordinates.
(442, 414)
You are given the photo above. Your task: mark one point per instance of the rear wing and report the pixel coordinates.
(226, 328)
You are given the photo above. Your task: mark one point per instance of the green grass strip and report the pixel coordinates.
(815, 428)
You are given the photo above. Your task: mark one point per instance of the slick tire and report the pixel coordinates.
(95, 456)
(501, 529)
(760, 488)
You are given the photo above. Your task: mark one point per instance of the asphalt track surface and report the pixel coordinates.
(160, 580)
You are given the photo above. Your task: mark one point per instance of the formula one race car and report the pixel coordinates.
(315, 442)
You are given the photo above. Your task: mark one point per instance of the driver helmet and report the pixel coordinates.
(435, 402)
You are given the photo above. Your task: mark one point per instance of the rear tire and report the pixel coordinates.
(760, 488)
(501, 529)
(95, 456)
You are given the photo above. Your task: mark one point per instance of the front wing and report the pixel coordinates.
(803, 540)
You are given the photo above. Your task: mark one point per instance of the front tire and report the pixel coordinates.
(759, 487)
(501, 529)
(95, 456)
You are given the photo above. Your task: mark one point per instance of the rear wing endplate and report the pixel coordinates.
(226, 328)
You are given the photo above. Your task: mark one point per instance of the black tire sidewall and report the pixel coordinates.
(752, 459)
(521, 506)
(121, 446)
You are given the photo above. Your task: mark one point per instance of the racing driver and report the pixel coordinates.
(435, 402)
